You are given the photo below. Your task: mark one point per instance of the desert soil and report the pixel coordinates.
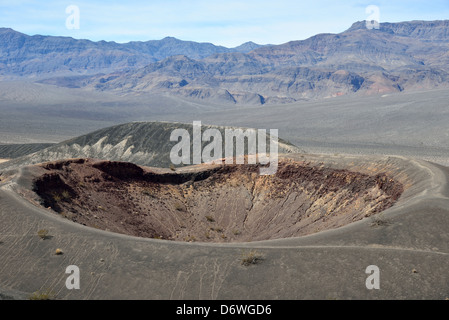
(410, 246)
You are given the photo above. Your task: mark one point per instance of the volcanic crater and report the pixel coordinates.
(212, 203)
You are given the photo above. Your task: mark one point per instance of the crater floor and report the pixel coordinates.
(212, 203)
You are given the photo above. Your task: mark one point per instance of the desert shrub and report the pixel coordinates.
(251, 257)
(47, 294)
(179, 206)
(147, 192)
(43, 234)
(379, 220)
(190, 239)
(65, 195)
(57, 197)
(61, 196)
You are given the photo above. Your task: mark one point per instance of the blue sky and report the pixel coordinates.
(227, 23)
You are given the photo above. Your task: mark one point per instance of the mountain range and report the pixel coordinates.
(40, 56)
(397, 57)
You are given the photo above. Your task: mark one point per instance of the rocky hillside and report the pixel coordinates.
(41, 56)
(397, 57)
(142, 143)
(11, 151)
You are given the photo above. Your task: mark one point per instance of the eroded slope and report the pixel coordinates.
(231, 203)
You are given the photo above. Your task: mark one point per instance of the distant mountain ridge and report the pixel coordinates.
(396, 57)
(24, 55)
(424, 30)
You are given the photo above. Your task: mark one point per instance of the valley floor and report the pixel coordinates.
(410, 124)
